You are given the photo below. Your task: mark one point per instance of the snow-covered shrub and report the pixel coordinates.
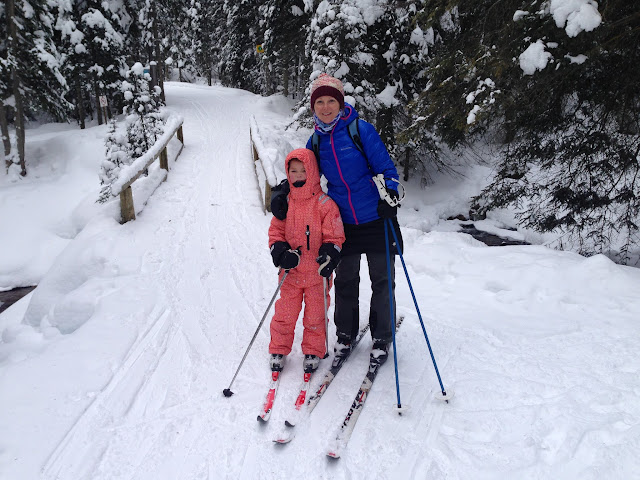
(117, 155)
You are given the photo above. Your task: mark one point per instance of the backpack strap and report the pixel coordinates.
(315, 144)
(354, 133)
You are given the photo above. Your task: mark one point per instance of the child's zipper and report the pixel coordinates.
(308, 234)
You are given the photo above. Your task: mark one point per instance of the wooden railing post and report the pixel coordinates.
(267, 196)
(127, 210)
(164, 159)
(180, 137)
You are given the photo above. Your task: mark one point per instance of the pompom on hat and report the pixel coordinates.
(327, 85)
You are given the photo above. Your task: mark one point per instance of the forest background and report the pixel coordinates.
(546, 92)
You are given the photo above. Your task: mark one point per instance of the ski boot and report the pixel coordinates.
(379, 352)
(276, 362)
(310, 363)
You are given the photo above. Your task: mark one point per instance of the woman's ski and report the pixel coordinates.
(349, 422)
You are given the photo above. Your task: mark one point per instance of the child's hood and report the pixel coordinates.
(308, 159)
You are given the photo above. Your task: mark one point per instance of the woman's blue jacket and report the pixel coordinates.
(348, 174)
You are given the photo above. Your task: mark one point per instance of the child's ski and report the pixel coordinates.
(265, 412)
(299, 411)
(301, 401)
(299, 415)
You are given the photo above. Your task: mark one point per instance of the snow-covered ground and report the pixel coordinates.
(114, 366)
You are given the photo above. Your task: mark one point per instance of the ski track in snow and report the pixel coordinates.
(163, 415)
(160, 405)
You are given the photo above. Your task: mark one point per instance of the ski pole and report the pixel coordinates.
(445, 397)
(326, 318)
(392, 311)
(227, 391)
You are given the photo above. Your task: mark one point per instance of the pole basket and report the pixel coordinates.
(445, 396)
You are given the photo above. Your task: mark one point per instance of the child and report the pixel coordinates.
(307, 244)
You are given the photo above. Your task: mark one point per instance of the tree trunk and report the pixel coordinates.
(405, 170)
(156, 52)
(267, 77)
(285, 80)
(17, 93)
(96, 92)
(80, 103)
(20, 139)
(4, 129)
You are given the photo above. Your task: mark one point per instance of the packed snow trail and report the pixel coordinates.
(539, 345)
(204, 234)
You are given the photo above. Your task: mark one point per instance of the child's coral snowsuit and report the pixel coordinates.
(312, 219)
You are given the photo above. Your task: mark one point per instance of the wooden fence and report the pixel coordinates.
(259, 167)
(127, 209)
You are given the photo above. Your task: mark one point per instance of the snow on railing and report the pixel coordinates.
(270, 145)
(264, 169)
(130, 173)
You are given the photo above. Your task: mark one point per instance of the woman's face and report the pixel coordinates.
(326, 108)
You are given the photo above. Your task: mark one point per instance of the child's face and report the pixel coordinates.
(297, 172)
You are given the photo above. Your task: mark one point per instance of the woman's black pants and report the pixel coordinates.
(347, 282)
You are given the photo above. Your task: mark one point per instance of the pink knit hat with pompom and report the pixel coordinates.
(327, 85)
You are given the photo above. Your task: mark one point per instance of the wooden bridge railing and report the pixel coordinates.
(258, 165)
(158, 151)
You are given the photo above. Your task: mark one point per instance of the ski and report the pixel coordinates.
(301, 400)
(265, 412)
(336, 365)
(299, 409)
(349, 422)
(301, 413)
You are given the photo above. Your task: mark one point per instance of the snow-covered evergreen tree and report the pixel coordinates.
(240, 64)
(350, 40)
(32, 81)
(283, 22)
(206, 34)
(71, 44)
(106, 26)
(142, 108)
(207, 31)
(573, 126)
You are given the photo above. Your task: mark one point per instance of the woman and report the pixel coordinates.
(349, 175)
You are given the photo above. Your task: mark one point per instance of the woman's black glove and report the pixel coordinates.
(284, 256)
(384, 209)
(279, 203)
(328, 258)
